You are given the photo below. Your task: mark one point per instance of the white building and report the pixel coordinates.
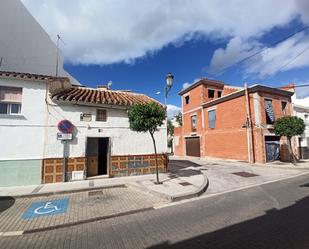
(31, 107)
(301, 109)
(24, 44)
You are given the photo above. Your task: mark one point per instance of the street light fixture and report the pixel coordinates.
(169, 84)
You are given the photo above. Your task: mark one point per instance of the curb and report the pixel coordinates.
(174, 198)
(33, 195)
(69, 224)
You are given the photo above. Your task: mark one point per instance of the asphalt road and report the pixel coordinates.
(272, 216)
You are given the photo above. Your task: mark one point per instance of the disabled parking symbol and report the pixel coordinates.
(44, 208)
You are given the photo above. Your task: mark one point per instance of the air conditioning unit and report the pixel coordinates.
(77, 175)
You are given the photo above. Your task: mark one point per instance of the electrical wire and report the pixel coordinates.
(259, 51)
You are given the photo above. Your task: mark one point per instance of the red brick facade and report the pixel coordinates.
(230, 137)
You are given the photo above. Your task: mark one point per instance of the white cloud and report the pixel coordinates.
(302, 92)
(186, 85)
(103, 32)
(285, 56)
(172, 110)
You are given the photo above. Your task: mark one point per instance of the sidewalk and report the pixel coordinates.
(225, 176)
(30, 209)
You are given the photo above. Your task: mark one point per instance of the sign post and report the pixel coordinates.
(66, 129)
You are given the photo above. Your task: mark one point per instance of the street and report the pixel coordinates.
(274, 215)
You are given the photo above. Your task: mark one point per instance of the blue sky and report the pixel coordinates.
(136, 44)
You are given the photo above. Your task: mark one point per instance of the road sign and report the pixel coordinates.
(65, 126)
(44, 208)
(64, 136)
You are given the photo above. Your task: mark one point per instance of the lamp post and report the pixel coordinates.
(169, 83)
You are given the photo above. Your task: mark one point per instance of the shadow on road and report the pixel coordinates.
(286, 228)
(6, 202)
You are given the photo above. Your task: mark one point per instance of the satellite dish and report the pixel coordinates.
(109, 84)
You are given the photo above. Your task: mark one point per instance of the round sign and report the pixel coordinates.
(65, 126)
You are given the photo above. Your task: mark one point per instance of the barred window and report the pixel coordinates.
(101, 115)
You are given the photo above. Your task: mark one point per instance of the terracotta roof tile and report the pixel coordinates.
(100, 96)
(29, 76)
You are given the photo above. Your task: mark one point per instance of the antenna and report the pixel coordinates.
(57, 62)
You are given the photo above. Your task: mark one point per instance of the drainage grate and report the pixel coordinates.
(95, 193)
(244, 174)
(185, 183)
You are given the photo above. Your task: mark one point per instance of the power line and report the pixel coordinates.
(259, 51)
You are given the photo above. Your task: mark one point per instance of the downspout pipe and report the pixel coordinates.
(249, 126)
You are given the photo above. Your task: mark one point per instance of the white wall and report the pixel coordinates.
(123, 140)
(301, 112)
(22, 136)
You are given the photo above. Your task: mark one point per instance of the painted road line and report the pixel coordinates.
(12, 233)
(226, 192)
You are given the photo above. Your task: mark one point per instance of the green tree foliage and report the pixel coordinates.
(179, 118)
(170, 128)
(147, 118)
(289, 127)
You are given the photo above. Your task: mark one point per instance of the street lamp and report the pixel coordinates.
(169, 84)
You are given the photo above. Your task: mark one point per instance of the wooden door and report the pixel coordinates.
(92, 156)
(193, 146)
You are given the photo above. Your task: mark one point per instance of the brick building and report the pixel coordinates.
(222, 121)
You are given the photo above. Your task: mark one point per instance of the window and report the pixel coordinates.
(283, 107)
(219, 94)
(269, 111)
(212, 119)
(193, 122)
(187, 99)
(10, 100)
(101, 115)
(211, 93)
(306, 116)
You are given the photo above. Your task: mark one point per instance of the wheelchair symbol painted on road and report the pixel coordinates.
(52, 207)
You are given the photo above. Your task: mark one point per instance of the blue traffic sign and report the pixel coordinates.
(44, 208)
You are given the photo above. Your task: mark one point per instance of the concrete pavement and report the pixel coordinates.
(270, 216)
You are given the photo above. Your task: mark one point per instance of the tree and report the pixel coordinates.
(289, 126)
(147, 118)
(179, 118)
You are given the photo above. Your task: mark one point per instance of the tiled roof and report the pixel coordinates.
(29, 76)
(100, 96)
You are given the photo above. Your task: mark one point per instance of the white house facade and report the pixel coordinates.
(102, 142)
(301, 110)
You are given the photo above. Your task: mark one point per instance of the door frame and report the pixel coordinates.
(108, 156)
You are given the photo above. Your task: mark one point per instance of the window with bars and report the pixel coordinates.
(10, 100)
(101, 115)
(269, 111)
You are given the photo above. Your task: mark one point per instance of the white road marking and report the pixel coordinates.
(12, 233)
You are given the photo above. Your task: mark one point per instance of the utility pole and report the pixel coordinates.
(249, 127)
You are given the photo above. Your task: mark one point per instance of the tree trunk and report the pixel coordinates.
(291, 150)
(155, 149)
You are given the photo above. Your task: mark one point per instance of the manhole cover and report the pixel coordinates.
(244, 174)
(95, 193)
(185, 183)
